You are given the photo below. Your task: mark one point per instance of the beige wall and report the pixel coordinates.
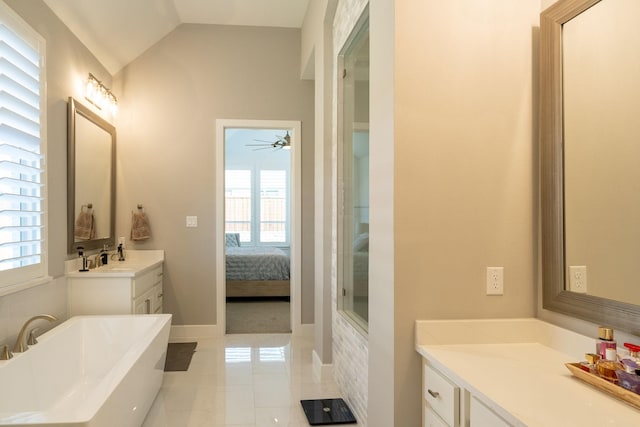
(170, 98)
(465, 178)
(68, 64)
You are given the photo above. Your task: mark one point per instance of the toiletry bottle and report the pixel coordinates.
(629, 378)
(607, 367)
(605, 341)
(591, 363)
(85, 266)
(634, 351)
(104, 255)
(634, 355)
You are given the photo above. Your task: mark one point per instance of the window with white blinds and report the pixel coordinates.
(22, 154)
(257, 205)
(273, 206)
(238, 203)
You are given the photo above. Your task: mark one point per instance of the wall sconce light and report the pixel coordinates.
(100, 95)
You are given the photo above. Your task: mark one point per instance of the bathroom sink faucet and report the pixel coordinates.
(20, 346)
(120, 252)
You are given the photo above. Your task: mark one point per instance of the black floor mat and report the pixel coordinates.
(327, 412)
(179, 356)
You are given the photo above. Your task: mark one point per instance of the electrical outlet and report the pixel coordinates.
(578, 278)
(495, 280)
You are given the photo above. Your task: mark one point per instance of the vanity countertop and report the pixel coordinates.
(136, 262)
(516, 368)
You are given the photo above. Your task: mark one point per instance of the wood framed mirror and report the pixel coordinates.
(91, 178)
(563, 131)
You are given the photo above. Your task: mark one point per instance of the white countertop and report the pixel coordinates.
(136, 262)
(526, 383)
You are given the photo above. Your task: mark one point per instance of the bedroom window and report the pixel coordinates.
(257, 186)
(238, 202)
(273, 206)
(23, 260)
(353, 176)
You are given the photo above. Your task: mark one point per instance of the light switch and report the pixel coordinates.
(192, 221)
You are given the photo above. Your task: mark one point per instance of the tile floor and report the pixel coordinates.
(244, 380)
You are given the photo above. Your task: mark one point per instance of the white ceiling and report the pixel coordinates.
(118, 31)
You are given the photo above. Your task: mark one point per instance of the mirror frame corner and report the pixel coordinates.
(555, 297)
(74, 108)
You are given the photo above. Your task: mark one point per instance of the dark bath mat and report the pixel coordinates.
(179, 356)
(327, 411)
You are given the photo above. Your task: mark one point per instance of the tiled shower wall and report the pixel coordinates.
(350, 347)
(350, 359)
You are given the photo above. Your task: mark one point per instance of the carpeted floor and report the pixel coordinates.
(258, 316)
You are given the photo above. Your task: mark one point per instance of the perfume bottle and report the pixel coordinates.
(607, 367)
(605, 341)
(634, 351)
(590, 365)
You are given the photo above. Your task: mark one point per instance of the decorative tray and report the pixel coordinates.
(604, 385)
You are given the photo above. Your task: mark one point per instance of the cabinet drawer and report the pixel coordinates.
(144, 303)
(481, 416)
(143, 283)
(442, 396)
(432, 419)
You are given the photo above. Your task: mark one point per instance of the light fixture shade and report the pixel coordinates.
(100, 95)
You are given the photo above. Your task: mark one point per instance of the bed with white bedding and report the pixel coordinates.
(256, 271)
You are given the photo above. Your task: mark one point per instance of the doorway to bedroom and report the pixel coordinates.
(259, 226)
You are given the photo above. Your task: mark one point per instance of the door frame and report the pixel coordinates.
(295, 274)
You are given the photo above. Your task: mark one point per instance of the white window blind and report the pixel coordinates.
(257, 211)
(238, 203)
(273, 206)
(22, 150)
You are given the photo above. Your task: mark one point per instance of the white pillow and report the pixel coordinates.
(361, 243)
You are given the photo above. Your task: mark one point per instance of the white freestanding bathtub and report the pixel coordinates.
(90, 371)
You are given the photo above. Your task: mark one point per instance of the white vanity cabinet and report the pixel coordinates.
(481, 416)
(116, 293)
(509, 373)
(441, 398)
(446, 404)
(147, 292)
(131, 287)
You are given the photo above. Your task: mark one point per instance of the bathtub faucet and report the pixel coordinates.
(20, 346)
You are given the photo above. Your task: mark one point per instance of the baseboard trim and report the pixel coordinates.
(189, 332)
(323, 370)
(304, 330)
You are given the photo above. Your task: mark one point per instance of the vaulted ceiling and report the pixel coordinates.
(118, 31)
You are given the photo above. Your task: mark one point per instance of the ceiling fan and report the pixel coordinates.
(282, 142)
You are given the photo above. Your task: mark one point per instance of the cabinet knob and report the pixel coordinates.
(434, 394)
